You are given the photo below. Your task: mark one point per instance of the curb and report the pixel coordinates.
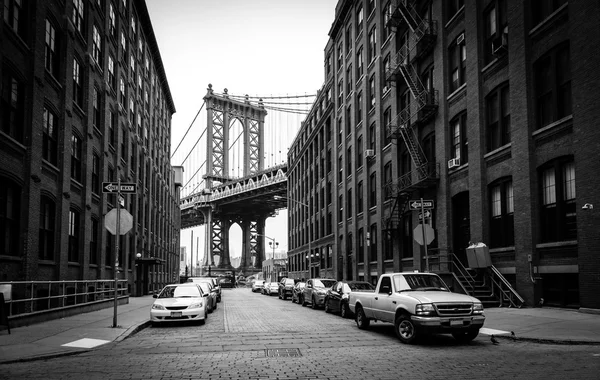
(564, 342)
(133, 330)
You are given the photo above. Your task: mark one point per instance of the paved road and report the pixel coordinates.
(238, 339)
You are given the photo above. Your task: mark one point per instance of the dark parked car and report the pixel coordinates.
(226, 282)
(336, 299)
(297, 292)
(286, 288)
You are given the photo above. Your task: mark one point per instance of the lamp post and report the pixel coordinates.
(273, 243)
(307, 212)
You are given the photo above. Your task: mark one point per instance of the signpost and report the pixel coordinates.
(427, 233)
(118, 227)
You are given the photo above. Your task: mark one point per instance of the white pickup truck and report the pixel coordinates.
(417, 304)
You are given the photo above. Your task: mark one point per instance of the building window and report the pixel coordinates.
(387, 178)
(94, 241)
(460, 145)
(348, 39)
(76, 148)
(15, 16)
(372, 92)
(112, 23)
(458, 63)
(329, 62)
(123, 47)
(122, 94)
(349, 204)
(407, 237)
(349, 160)
(498, 117)
(96, 174)
(359, 152)
(112, 129)
(340, 169)
(542, 9)
(13, 106)
(340, 56)
(359, 197)
(361, 246)
(387, 15)
(96, 46)
(340, 93)
(373, 136)
(359, 112)
(10, 211)
(501, 214)
(553, 85)
(77, 83)
(96, 105)
(372, 53)
(496, 28)
(77, 18)
(349, 82)
(340, 132)
(47, 223)
(387, 122)
(359, 19)
(348, 121)
(341, 208)
(50, 138)
(370, 6)
(373, 190)
(373, 243)
(50, 49)
(453, 7)
(558, 216)
(124, 144)
(111, 72)
(359, 63)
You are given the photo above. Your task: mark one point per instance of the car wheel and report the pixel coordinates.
(344, 312)
(406, 330)
(465, 336)
(362, 322)
(313, 304)
(327, 309)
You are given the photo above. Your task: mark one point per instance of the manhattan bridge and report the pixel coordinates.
(235, 172)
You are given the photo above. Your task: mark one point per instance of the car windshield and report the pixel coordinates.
(323, 283)
(179, 292)
(360, 286)
(419, 282)
(289, 281)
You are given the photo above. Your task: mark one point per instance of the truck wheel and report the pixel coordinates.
(406, 331)
(344, 312)
(465, 336)
(326, 305)
(361, 319)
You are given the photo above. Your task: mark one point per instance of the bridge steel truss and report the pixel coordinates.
(248, 200)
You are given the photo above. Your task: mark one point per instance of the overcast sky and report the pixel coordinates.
(255, 47)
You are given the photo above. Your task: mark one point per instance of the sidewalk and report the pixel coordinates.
(83, 332)
(74, 334)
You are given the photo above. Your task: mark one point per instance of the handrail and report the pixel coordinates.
(513, 293)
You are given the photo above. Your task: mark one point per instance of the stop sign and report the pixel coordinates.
(125, 222)
(418, 234)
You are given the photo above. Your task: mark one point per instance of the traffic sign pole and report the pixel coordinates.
(117, 236)
(424, 238)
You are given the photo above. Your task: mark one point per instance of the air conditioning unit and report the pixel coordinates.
(460, 39)
(369, 153)
(454, 163)
(500, 44)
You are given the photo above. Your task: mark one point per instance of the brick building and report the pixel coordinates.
(485, 107)
(85, 99)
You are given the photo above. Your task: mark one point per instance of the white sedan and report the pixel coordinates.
(180, 302)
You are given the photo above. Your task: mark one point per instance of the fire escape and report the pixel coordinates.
(425, 174)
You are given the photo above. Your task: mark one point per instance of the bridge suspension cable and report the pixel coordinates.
(190, 127)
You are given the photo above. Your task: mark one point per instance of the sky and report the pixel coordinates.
(255, 47)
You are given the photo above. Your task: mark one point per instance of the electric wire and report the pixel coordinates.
(190, 127)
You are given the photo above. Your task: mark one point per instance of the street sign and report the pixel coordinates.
(415, 204)
(113, 187)
(125, 223)
(427, 215)
(418, 234)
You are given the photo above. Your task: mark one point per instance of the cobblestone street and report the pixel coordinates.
(252, 336)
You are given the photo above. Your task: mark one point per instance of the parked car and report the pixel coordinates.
(297, 292)
(286, 288)
(258, 285)
(207, 286)
(271, 288)
(336, 299)
(180, 302)
(418, 304)
(226, 282)
(315, 290)
(212, 280)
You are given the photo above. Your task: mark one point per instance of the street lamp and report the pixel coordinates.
(273, 243)
(307, 212)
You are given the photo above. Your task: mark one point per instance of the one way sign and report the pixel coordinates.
(416, 204)
(113, 187)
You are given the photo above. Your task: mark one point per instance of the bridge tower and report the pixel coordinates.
(225, 116)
